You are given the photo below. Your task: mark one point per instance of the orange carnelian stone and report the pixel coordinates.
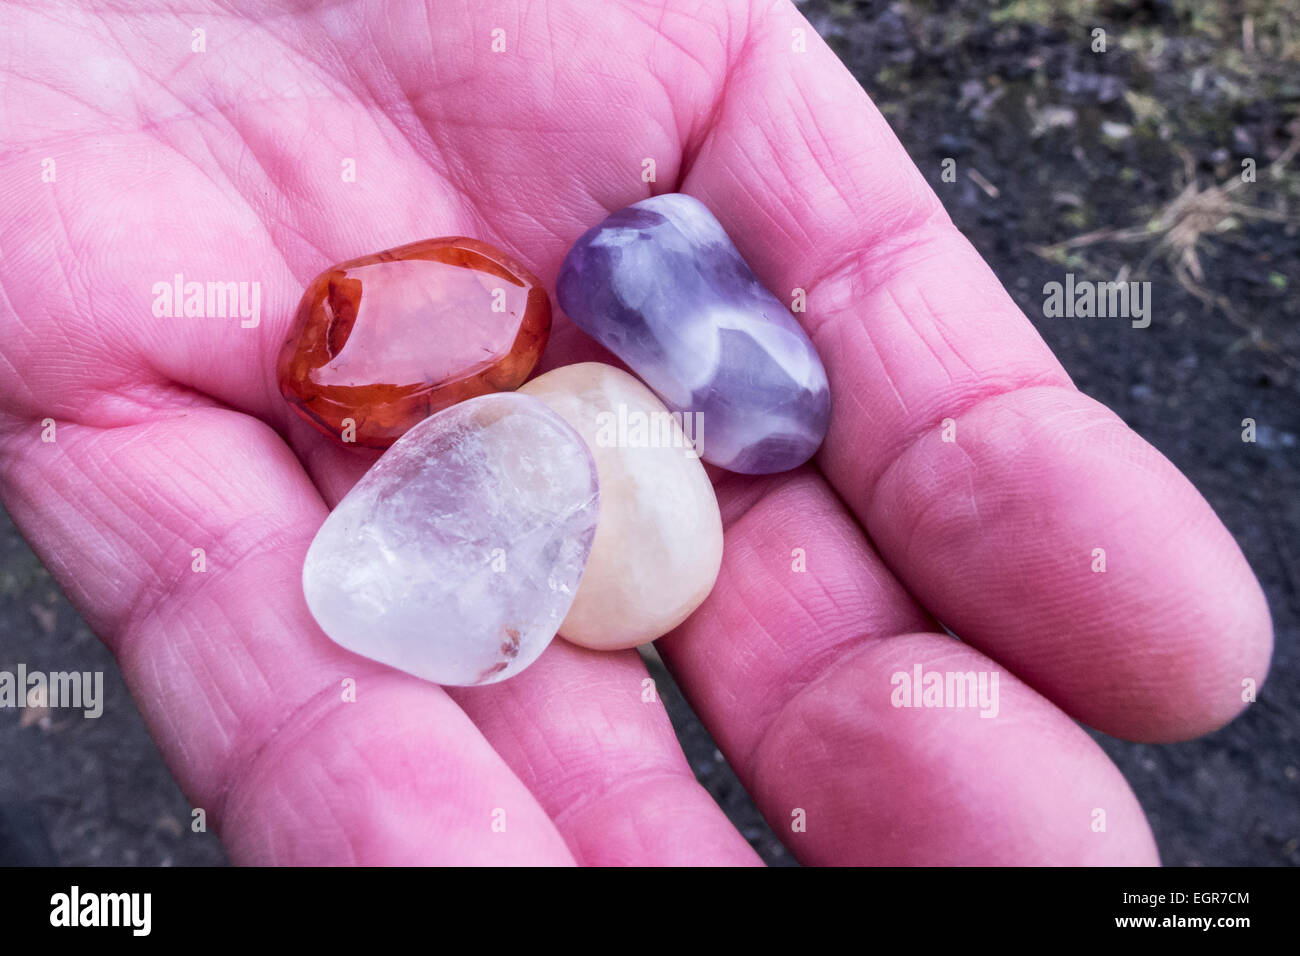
(389, 339)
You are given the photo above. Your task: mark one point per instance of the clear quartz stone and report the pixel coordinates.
(456, 557)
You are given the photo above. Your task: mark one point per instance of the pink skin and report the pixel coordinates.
(171, 435)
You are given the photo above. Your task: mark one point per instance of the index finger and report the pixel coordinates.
(998, 531)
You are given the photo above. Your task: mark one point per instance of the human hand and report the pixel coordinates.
(225, 165)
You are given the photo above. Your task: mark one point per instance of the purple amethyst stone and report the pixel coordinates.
(661, 285)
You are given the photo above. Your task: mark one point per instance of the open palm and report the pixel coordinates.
(129, 157)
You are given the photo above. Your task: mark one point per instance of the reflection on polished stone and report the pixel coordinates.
(389, 339)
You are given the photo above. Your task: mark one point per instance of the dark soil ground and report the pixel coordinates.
(1104, 164)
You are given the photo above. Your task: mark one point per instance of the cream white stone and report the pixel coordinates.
(658, 544)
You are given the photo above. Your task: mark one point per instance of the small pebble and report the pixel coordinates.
(386, 340)
(456, 557)
(661, 285)
(658, 544)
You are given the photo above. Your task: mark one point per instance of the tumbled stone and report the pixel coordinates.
(661, 285)
(456, 557)
(388, 339)
(658, 544)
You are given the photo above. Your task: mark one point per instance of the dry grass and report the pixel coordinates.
(1179, 230)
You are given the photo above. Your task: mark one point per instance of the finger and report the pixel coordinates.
(588, 733)
(794, 664)
(999, 532)
(244, 695)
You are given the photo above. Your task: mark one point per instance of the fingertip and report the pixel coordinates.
(1221, 672)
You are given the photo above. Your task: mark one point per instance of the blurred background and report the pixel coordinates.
(1114, 165)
